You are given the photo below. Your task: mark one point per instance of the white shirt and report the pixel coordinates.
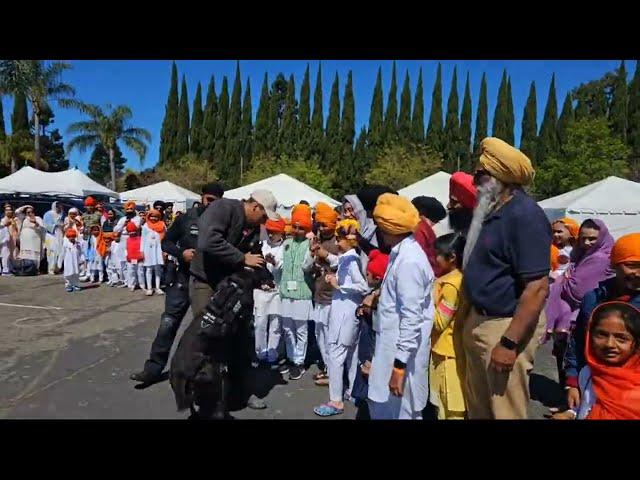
(403, 324)
(71, 256)
(587, 394)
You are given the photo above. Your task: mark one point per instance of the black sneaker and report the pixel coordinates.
(283, 369)
(296, 372)
(145, 376)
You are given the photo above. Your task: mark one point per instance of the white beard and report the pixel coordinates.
(488, 199)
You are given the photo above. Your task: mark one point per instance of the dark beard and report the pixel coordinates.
(460, 219)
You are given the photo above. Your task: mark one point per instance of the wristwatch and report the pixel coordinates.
(399, 365)
(508, 343)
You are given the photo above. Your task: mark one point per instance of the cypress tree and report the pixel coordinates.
(510, 117)
(633, 123)
(452, 128)
(333, 127)
(3, 132)
(289, 131)
(404, 119)
(361, 164)
(263, 130)
(417, 121)
(529, 136)
(391, 116)
(375, 134)
(465, 128)
(304, 114)
(348, 121)
(221, 127)
(20, 115)
(169, 131)
(247, 130)
(209, 121)
(566, 118)
(499, 128)
(548, 138)
(197, 121)
(230, 166)
(434, 129)
(619, 104)
(481, 118)
(316, 140)
(182, 145)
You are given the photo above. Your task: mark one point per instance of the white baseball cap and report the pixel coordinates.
(268, 201)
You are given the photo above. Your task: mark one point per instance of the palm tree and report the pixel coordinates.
(39, 82)
(106, 127)
(14, 150)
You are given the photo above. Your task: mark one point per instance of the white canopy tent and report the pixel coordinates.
(614, 200)
(67, 182)
(165, 191)
(287, 190)
(437, 186)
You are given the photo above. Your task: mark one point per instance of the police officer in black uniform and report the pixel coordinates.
(180, 242)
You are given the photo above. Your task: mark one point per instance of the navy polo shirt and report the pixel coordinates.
(513, 245)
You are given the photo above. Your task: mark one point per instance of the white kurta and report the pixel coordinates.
(71, 256)
(124, 235)
(150, 247)
(97, 262)
(403, 324)
(267, 302)
(32, 235)
(587, 393)
(343, 323)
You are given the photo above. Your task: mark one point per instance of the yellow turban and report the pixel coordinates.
(395, 214)
(349, 229)
(504, 162)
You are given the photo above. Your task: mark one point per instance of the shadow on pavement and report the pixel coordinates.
(142, 386)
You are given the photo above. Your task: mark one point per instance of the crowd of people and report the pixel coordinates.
(408, 325)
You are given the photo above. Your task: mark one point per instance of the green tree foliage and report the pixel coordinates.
(529, 138)
(417, 120)
(566, 118)
(375, 135)
(434, 129)
(263, 137)
(221, 125)
(590, 153)
(451, 147)
(333, 143)
(404, 119)
(465, 129)
(99, 169)
(618, 115)
(305, 170)
(481, 120)
(391, 116)
(500, 122)
(398, 166)
(182, 144)
(316, 139)
(197, 123)
(189, 172)
(548, 144)
(209, 121)
(169, 131)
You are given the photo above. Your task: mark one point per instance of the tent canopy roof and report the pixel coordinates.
(160, 191)
(67, 182)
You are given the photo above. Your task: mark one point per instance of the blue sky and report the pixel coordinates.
(144, 85)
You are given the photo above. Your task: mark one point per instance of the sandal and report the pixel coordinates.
(322, 382)
(327, 410)
(320, 375)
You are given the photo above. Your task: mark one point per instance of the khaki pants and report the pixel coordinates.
(490, 394)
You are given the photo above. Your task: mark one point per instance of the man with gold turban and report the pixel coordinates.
(398, 378)
(625, 286)
(506, 267)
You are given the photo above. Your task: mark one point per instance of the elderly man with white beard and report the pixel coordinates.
(506, 265)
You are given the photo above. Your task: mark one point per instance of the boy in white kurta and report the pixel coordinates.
(398, 378)
(71, 257)
(95, 260)
(266, 300)
(350, 286)
(153, 232)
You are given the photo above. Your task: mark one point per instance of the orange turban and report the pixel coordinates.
(626, 249)
(276, 226)
(326, 215)
(301, 216)
(572, 226)
(71, 233)
(395, 215)
(89, 202)
(288, 229)
(129, 205)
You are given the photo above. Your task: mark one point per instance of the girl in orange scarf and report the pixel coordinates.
(610, 383)
(153, 232)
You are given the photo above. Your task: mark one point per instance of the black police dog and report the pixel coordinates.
(213, 344)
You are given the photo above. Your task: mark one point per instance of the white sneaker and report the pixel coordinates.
(159, 291)
(148, 293)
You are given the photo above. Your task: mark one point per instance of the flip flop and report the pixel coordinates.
(322, 382)
(327, 410)
(320, 375)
